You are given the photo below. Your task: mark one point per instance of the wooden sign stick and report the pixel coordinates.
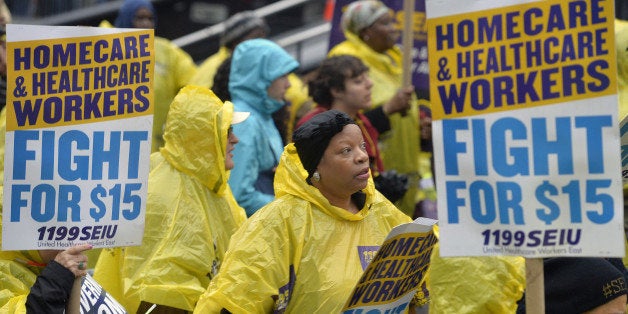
(535, 286)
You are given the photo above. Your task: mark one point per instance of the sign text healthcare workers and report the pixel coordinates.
(525, 126)
(79, 119)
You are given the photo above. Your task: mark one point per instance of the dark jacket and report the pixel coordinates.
(51, 290)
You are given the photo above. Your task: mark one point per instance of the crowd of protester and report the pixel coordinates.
(262, 185)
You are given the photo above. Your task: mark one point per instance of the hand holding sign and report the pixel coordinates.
(400, 102)
(73, 258)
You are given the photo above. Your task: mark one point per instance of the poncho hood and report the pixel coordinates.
(196, 134)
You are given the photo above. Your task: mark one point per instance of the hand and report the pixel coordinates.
(400, 102)
(74, 260)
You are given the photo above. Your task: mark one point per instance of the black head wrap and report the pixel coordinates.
(312, 138)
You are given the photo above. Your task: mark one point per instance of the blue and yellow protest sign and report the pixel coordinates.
(88, 296)
(396, 274)
(79, 120)
(526, 131)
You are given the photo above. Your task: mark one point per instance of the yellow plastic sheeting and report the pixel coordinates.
(297, 96)
(15, 283)
(470, 285)
(188, 217)
(16, 278)
(207, 70)
(173, 69)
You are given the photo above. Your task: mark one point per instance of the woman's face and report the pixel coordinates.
(382, 35)
(356, 96)
(278, 88)
(344, 168)
(144, 19)
(232, 139)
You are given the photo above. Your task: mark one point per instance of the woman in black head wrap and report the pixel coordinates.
(305, 251)
(330, 146)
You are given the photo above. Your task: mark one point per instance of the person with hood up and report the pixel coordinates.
(371, 36)
(258, 81)
(174, 68)
(301, 252)
(189, 212)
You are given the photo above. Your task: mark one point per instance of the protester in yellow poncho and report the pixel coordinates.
(189, 220)
(370, 35)
(300, 253)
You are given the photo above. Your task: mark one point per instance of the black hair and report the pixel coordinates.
(221, 80)
(331, 74)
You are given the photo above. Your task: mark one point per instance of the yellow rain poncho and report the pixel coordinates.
(189, 220)
(400, 147)
(298, 253)
(173, 69)
(470, 285)
(207, 70)
(16, 278)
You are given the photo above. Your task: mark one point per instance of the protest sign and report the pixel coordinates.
(79, 120)
(526, 131)
(397, 271)
(89, 297)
